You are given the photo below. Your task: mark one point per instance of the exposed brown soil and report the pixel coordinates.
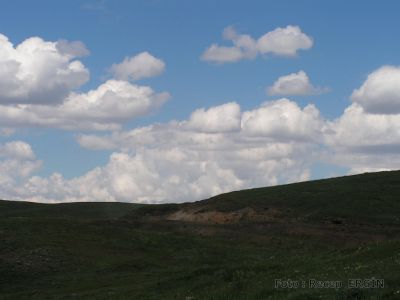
(216, 217)
(272, 221)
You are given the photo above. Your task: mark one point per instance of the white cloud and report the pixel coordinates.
(277, 142)
(95, 142)
(222, 54)
(178, 161)
(17, 163)
(244, 47)
(363, 141)
(38, 72)
(380, 93)
(283, 120)
(367, 135)
(104, 108)
(279, 121)
(73, 49)
(172, 174)
(294, 84)
(215, 150)
(18, 150)
(284, 41)
(357, 131)
(142, 65)
(281, 42)
(221, 118)
(38, 78)
(358, 162)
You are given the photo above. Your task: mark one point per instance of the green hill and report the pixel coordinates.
(232, 246)
(368, 198)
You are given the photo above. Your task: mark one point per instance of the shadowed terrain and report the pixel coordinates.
(232, 246)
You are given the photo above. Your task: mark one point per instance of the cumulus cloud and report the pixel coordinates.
(367, 135)
(142, 65)
(178, 161)
(294, 84)
(283, 119)
(244, 47)
(222, 54)
(40, 72)
(18, 150)
(220, 118)
(95, 142)
(359, 131)
(174, 174)
(364, 142)
(17, 163)
(361, 162)
(181, 161)
(276, 142)
(104, 108)
(73, 49)
(281, 42)
(380, 93)
(215, 150)
(38, 81)
(284, 41)
(274, 121)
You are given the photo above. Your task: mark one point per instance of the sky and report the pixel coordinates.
(171, 101)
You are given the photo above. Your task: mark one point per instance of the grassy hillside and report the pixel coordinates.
(86, 210)
(372, 198)
(232, 246)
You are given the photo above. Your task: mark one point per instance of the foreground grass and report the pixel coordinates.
(62, 259)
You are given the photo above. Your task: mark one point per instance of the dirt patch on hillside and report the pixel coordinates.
(217, 217)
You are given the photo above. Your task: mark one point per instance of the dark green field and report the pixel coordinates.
(232, 246)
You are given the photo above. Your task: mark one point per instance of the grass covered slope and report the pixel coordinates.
(371, 198)
(83, 210)
(231, 246)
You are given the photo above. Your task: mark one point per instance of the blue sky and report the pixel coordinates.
(351, 42)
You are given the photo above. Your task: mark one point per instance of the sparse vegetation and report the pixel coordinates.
(334, 229)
